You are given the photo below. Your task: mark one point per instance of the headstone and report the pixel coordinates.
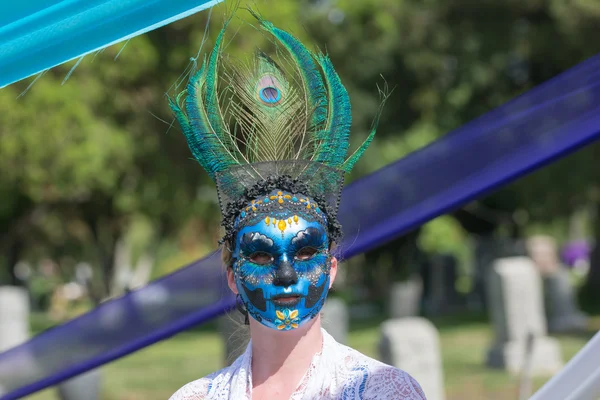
(335, 319)
(405, 298)
(517, 310)
(235, 335)
(561, 307)
(14, 331)
(14, 317)
(439, 275)
(487, 249)
(412, 344)
(563, 313)
(82, 387)
(363, 307)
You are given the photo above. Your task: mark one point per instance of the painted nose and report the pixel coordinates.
(286, 275)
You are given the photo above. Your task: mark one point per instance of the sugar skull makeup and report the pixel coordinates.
(281, 260)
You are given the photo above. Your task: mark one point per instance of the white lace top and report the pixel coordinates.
(337, 372)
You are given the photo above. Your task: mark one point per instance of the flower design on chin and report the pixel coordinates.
(286, 319)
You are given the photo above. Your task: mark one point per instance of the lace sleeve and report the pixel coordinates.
(196, 390)
(393, 383)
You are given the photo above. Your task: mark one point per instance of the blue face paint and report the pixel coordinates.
(281, 266)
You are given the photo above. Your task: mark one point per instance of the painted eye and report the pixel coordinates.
(306, 253)
(261, 258)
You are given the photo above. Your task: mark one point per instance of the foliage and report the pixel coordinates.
(86, 159)
(450, 62)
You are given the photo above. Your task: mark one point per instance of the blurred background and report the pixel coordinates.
(99, 194)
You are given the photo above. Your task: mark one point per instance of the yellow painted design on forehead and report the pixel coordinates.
(281, 225)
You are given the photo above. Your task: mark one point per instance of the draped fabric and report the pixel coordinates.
(550, 121)
(39, 34)
(579, 379)
(536, 128)
(116, 328)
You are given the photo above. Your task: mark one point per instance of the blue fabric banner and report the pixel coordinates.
(538, 127)
(36, 35)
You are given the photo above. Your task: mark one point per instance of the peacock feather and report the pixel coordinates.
(289, 107)
(267, 109)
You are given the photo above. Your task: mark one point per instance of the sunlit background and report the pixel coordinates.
(99, 194)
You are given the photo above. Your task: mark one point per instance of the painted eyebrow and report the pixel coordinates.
(256, 241)
(310, 236)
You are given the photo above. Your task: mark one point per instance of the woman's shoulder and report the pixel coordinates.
(195, 390)
(372, 379)
(392, 383)
(213, 386)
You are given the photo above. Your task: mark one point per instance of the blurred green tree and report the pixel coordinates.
(85, 161)
(88, 156)
(450, 62)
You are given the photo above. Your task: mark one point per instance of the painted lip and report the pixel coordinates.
(287, 299)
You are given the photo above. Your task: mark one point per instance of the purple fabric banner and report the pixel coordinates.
(548, 122)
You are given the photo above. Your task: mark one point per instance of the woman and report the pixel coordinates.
(279, 174)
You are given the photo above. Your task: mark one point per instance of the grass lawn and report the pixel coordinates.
(156, 372)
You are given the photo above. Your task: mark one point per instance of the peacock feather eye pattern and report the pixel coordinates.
(269, 90)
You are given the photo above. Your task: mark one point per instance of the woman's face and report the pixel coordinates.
(281, 267)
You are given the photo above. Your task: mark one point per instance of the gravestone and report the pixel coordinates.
(486, 250)
(82, 387)
(412, 344)
(14, 317)
(563, 313)
(14, 331)
(561, 306)
(439, 274)
(517, 310)
(405, 298)
(335, 319)
(235, 335)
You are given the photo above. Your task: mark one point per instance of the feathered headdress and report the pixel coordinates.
(257, 126)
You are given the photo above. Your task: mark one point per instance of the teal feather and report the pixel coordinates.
(211, 98)
(193, 140)
(185, 126)
(203, 143)
(349, 163)
(335, 135)
(214, 156)
(304, 59)
(358, 153)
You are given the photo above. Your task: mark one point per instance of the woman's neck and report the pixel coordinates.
(283, 356)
